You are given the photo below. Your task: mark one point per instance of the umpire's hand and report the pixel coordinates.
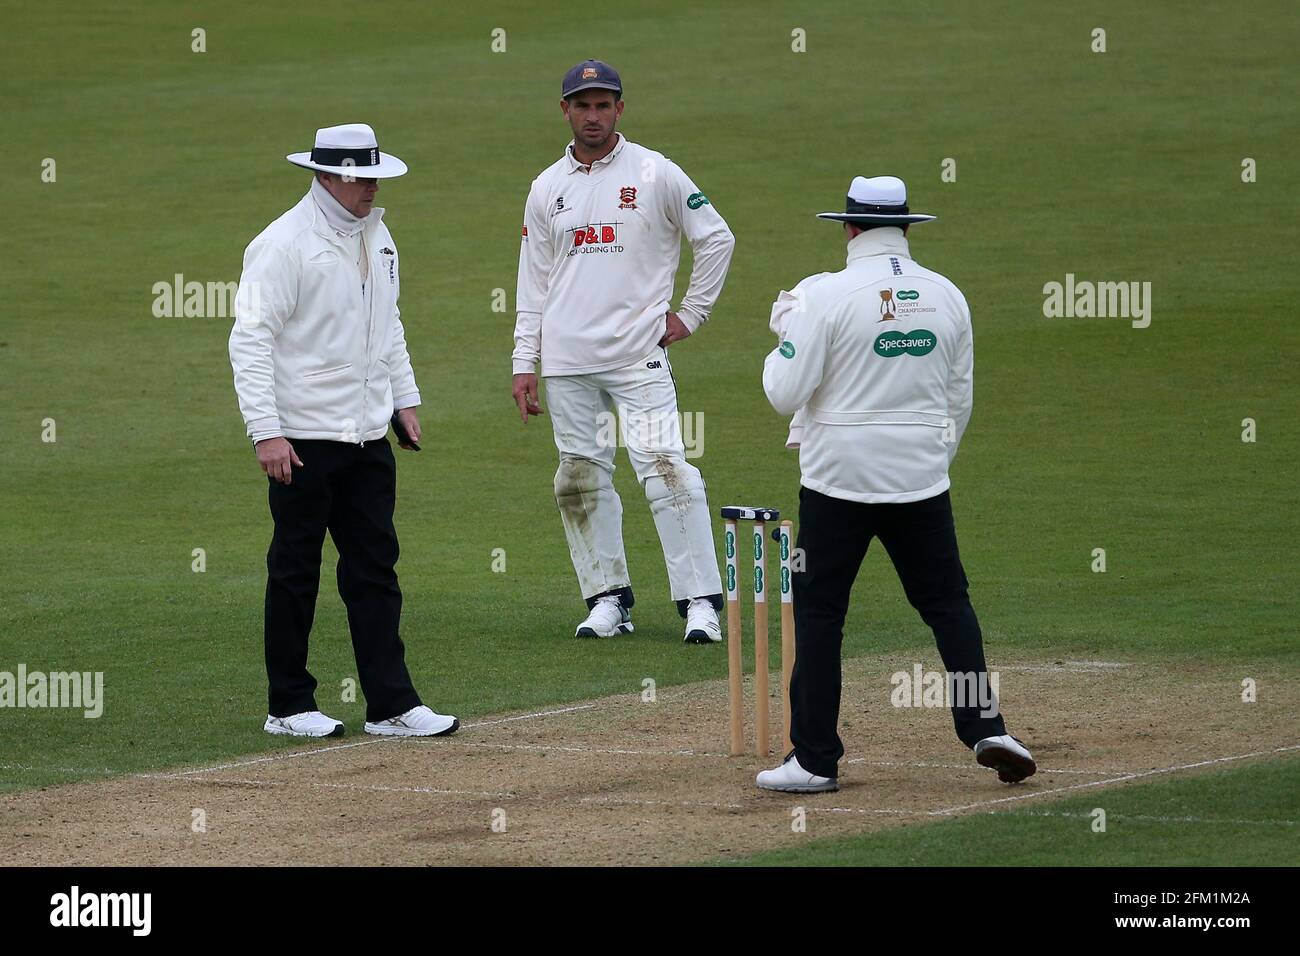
(412, 425)
(277, 457)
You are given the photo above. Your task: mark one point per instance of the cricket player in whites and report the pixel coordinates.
(601, 240)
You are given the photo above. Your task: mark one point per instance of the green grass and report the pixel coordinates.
(1086, 433)
(1239, 817)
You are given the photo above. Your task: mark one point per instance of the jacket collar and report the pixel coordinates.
(574, 165)
(322, 224)
(882, 241)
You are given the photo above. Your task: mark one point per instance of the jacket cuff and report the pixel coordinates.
(690, 318)
(409, 400)
(524, 366)
(264, 428)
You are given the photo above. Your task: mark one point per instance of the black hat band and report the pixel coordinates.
(855, 208)
(366, 156)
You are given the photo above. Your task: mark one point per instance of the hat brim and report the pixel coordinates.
(389, 167)
(594, 85)
(901, 220)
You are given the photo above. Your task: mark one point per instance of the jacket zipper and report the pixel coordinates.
(370, 315)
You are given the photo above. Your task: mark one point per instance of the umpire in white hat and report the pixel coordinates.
(875, 362)
(321, 366)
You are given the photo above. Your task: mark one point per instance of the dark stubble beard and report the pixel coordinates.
(605, 139)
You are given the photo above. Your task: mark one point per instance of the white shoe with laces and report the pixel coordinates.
(416, 722)
(608, 617)
(792, 778)
(310, 723)
(702, 625)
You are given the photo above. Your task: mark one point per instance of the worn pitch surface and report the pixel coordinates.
(620, 780)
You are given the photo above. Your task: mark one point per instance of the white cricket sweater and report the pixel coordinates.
(598, 257)
(880, 362)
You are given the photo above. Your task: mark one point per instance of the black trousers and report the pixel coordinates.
(350, 491)
(922, 543)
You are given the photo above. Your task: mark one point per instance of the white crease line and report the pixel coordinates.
(378, 788)
(271, 759)
(1103, 783)
(1148, 819)
(500, 795)
(1097, 664)
(962, 766)
(23, 766)
(633, 802)
(1059, 668)
(540, 713)
(171, 775)
(903, 813)
(494, 794)
(360, 743)
(722, 756)
(592, 750)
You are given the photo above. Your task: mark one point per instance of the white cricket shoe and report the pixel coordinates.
(793, 778)
(1008, 756)
(608, 617)
(702, 625)
(310, 723)
(416, 722)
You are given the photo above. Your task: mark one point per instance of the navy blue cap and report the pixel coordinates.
(591, 75)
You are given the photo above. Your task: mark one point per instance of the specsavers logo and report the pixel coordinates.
(595, 237)
(891, 343)
(696, 200)
(787, 349)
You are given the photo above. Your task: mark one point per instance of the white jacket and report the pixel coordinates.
(880, 360)
(312, 357)
(598, 257)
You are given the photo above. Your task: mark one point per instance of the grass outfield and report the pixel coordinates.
(1087, 433)
(1239, 817)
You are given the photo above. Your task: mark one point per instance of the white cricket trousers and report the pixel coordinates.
(635, 405)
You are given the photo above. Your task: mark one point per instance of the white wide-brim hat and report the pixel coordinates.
(349, 150)
(879, 201)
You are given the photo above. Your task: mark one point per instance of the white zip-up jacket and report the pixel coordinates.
(879, 358)
(598, 257)
(313, 357)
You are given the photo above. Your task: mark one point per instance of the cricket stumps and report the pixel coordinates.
(735, 656)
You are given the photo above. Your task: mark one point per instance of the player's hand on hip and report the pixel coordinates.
(524, 390)
(276, 457)
(674, 330)
(411, 423)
